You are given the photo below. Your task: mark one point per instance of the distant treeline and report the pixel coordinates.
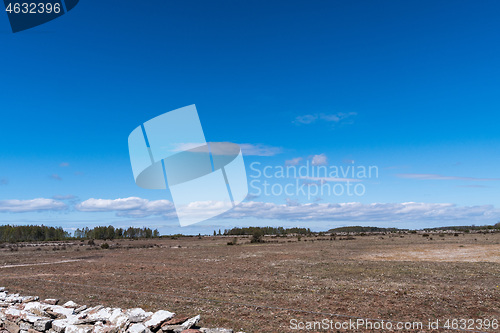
(266, 231)
(467, 227)
(111, 232)
(36, 233)
(364, 229)
(32, 233)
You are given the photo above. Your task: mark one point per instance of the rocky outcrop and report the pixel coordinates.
(29, 314)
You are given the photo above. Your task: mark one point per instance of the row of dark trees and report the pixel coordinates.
(36, 233)
(32, 233)
(365, 229)
(111, 232)
(467, 227)
(267, 231)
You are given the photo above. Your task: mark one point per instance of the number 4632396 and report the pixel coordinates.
(33, 8)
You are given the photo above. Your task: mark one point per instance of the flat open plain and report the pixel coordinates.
(258, 287)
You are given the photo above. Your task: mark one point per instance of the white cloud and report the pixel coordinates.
(227, 148)
(33, 205)
(259, 150)
(293, 161)
(55, 176)
(319, 160)
(306, 119)
(337, 118)
(129, 207)
(178, 147)
(358, 212)
(428, 176)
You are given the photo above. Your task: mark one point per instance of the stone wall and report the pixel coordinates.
(27, 314)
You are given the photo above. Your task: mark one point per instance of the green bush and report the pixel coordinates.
(257, 236)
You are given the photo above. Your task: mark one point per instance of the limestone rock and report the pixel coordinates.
(191, 322)
(43, 324)
(158, 318)
(137, 314)
(79, 329)
(138, 328)
(71, 304)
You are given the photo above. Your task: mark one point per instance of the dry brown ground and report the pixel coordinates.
(391, 278)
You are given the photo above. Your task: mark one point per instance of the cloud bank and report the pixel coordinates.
(335, 118)
(33, 205)
(349, 212)
(128, 207)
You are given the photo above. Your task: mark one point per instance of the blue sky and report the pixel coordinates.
(410, 87)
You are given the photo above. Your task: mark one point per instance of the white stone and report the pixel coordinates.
(32, 318)
(158, 318)
(138, 328)
(79, 329)
(42, 325)
(61, 310)
(15, 312)
(13, 298)
(136, 315)
(51, 300)
(101, 328)
(91, 310)
(118, 318)
(80, 309)
(27, 299)
(104, 314)
(190, 322)
(59, 325)
(36, 306)
(71, 304)
(24, 325)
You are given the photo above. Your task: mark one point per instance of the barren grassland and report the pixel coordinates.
(261, 287)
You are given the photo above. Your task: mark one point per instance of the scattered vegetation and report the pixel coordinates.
(257, 236)
(233, 242)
